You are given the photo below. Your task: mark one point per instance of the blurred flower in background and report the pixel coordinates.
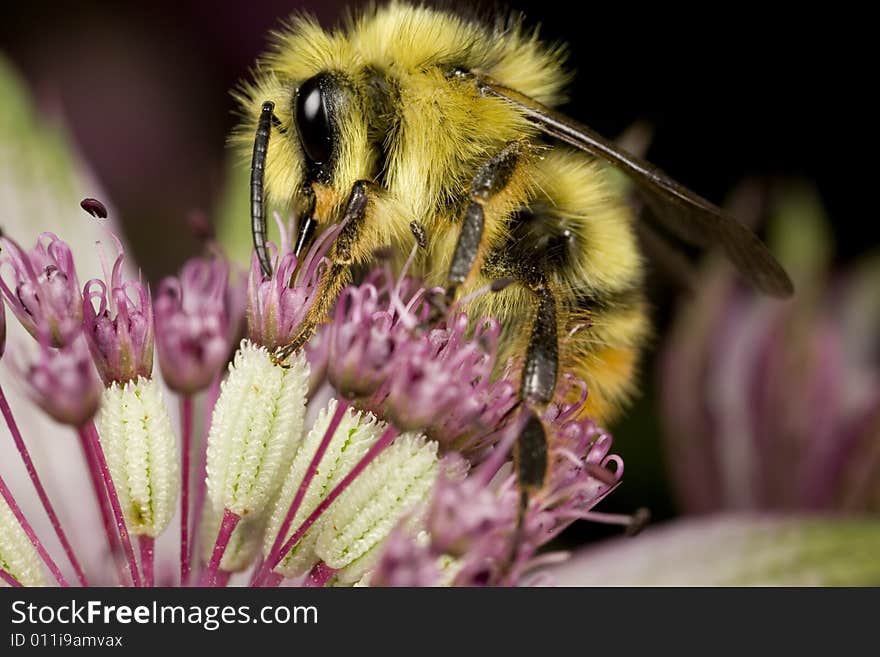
(772, 405)
(771, 418)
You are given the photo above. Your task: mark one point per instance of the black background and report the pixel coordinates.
(732, 91)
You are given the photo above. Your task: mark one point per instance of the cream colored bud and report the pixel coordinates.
(141, 450)
(255, 430)
(396, 483)
(355, 435)
(17, 556)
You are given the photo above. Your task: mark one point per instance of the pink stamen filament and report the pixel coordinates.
(272, 580)
(103, 504)
(498, 456)
(9, 579)
(227, 526)
(29, 532)
(323, 242)
(386, 439)
(38, 485)
(186, 420)
(395, 296)
(273, 557)
(319, 575)
(473, 295)
(147, 545)
(119, 517)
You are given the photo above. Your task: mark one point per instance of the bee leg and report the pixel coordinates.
(338, 275)
(490, 179)
(542, 353)
(536, 391)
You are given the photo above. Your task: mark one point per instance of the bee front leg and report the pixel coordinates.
(338, 274)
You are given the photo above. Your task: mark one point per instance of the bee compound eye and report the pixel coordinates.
(313, 120)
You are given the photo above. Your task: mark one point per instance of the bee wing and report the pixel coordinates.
(682, 212)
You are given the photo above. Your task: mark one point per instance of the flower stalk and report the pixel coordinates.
(147, 548)
(319, 575)
(227, 526)
(276, 553)
(94, 470)
(90, 435)
(186, 421)
(38, 486)
(384, 441)
(202, 476)
(9, 579)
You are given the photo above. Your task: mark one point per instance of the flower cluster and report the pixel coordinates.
(438, 380)
(480, 530)
(380, 453)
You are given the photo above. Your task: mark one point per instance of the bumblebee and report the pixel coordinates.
(412, 121)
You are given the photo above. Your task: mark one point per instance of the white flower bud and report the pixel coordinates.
(17, 556)
(396, 482)
(256, 427)
(141, 449)
(354, 436)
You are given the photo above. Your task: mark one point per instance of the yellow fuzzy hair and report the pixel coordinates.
(441, 131)
(444, 127)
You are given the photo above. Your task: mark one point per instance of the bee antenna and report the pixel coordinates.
(258, 167)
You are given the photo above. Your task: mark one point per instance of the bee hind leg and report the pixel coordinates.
(537, 388)
(536, 391)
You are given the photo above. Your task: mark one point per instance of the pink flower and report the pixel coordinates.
(120, 331)
(439, 380)
(43, 289)
(278, 304)
(193, 320)
(63, 382)
(475, 524)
